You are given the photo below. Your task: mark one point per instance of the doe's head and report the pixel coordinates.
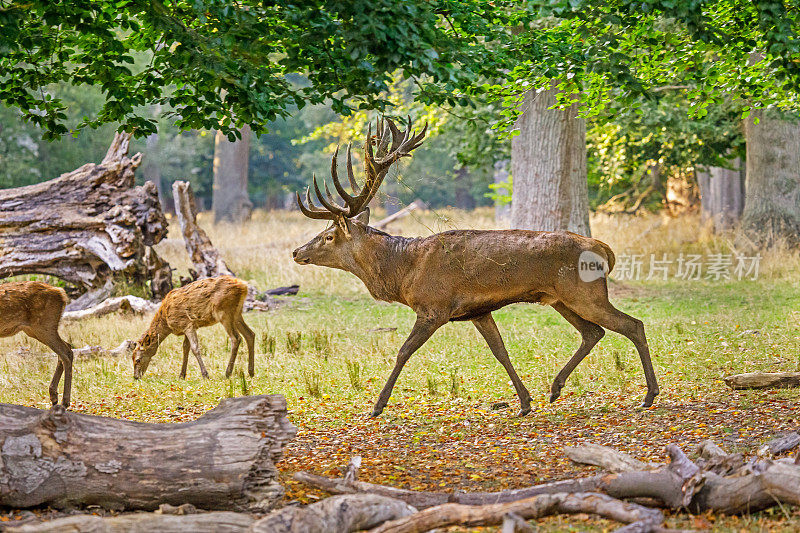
(143, 351)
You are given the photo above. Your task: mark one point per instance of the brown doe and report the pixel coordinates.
(195, 305)
(35, 308)
(466, 274)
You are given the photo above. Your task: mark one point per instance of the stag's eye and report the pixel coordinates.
(328, 238)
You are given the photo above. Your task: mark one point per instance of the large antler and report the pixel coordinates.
(375, 169)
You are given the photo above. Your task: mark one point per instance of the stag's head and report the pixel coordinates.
(337, 245)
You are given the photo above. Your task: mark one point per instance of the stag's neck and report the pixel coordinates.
(383, 264)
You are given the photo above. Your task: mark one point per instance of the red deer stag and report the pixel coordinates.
(466, 274)
(36, 308)
(200, 303)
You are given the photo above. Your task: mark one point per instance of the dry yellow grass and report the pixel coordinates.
(331, 378)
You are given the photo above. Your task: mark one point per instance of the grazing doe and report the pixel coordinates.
(35, 308)
(198, 304)
(466, 274)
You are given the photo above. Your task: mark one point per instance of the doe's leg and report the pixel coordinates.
(488, 328)
(185, 361)
(49, 337)
(228, 322)
(420, 333)
(591, 334)
(53, 389)
(250, 339)
(191, 336)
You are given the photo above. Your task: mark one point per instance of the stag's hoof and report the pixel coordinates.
(523, 411)
(554, 395)
(648, 399)
(205, 375)
(376, 412)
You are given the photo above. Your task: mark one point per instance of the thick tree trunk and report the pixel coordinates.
(772, 197)
(223, 460)
(205, 258)
(502, 211)
(89, 227)
(548, 160)
(722, 195)
(231, 165)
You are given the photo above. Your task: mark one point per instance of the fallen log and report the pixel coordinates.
(223, 460)
(673, 484)
(605, 457)
(205, 258)
(449, 514)
(123, 304)
(90, 227)
(291, 290)
(125, 348)
(781, 444)
(337, 514)
(763, 380)
(217, 522)
(416, 204)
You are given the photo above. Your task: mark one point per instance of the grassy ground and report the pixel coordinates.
(330, 349)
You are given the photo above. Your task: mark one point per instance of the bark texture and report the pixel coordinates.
(548, 161)
(89, 227)
(217, 522)
(125, 304)
(223, 460)
(230, 200)
(772, 203)
(539, 506)
(338, 514)
(722, 195)
(205, 258)
(763, 380)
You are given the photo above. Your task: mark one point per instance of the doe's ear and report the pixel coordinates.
(363, 217)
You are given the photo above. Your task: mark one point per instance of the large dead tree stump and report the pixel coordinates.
(205, 258)
(87, 227)
(223, 460)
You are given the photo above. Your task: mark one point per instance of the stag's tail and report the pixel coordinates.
(610, 257)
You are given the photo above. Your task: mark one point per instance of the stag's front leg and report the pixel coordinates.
(488, 328)
(420, 333)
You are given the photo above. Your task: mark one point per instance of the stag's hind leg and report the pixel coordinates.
(602, 313)
(488, 328)
(591, 334)
(250, 339)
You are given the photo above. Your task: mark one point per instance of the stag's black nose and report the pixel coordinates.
(294, 254)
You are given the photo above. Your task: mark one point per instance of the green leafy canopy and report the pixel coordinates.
(218, 64)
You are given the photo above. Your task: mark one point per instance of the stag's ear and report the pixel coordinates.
(363, 217)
